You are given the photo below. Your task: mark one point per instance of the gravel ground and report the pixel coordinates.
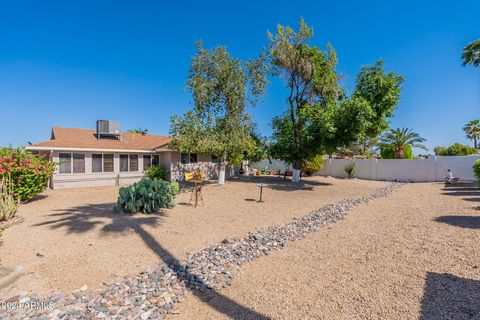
(153, 294)
(71, 238)
(414, 255)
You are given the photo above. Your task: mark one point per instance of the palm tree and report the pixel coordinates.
(471, 54)
(399, 138)
(472, 131)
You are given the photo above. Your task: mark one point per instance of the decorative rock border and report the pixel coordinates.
(150, 295)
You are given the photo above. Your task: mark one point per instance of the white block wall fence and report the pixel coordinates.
(420, 170)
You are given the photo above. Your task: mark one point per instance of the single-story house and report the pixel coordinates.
(102, 157)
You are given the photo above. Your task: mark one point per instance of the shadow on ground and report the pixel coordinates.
(468, 190)
(84, 218)
(470, 222)
(279, 183)
(450, 297)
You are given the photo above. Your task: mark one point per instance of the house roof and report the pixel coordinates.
(73, 138)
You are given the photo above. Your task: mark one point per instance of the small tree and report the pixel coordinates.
(471, 54)
(399, 138)
(382, 92)
(29, 173)
(223, 88)
(139, 131)
(472, 131)
(456, 149)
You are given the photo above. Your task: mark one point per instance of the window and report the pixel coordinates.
(97, 163)
(108, 163)
(184, 158)
(155, 160)
(78, 163)
(147, 162)
(124, 163)
(133, 162)
(102, 162)
(214, 159)
(188, 158)
(193, 158)
(65, 163)
(72, 163)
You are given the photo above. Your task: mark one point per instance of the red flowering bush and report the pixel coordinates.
(29, 173)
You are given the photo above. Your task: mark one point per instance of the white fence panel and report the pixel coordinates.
(421, 170)
(337, 167)
(460, 166)
(403, 170)
(275, 165)
(365, 169)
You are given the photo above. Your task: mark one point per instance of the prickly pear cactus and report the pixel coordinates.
(147, 195)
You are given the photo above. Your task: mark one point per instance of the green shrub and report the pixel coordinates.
(456, 149)
(387, 152)
(440, 151)
(350, 169)
(29, 173)
(8, 204)
(407, 152)
(157, 172)
(313, 165)
(147, 195)
(476, 170)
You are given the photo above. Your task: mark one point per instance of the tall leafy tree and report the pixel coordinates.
(309, 74)
(472, 131)
(382, 91)
(398, 139)
(471, 54)
(320, 118)
(223, 88)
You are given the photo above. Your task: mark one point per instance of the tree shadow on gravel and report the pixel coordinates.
(81, 219)
(470, 191)
(470, 222)
(450, 297)
(279, 183)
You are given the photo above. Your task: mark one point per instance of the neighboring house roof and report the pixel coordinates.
(86, 139)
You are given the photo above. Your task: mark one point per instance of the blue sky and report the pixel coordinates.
(69, 63)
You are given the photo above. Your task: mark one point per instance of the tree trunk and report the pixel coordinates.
(399, 154)
(221, 171)
(297, 164)
(475, 143)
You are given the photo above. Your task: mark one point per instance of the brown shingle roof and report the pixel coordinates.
(86, 139)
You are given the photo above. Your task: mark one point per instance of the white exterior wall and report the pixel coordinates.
(420, 170)
(275, 165)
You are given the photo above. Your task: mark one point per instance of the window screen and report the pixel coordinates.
(184, 158)
(97, 163)
(193, 158)
(108, 163)
(78, 163)
(133, 162)
(65, 163)
(123, 163)
(155, 160)
(147, 162)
